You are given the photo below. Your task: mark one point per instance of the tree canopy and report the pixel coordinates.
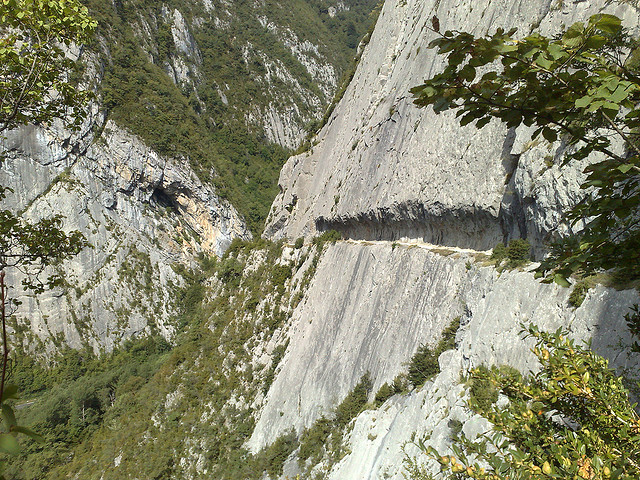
(35, 87)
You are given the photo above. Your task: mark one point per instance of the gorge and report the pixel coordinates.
(246, 346)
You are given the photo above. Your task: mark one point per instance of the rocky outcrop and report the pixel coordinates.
(368, 309)
(383, 169)
(141, 213)
(382, 439)
(184, 64)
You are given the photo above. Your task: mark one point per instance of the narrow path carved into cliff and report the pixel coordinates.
(418, 244)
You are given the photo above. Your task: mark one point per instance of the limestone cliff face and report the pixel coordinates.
(140, 212)
(380, 171)
(383, 169)
(368, 309)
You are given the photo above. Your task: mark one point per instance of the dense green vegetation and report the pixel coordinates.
(516, 253)
(324, 439)
(482, 392)
(74, 395)
(33, 62)
(140, 403)
(206, 121)
(386, 391)
(571, 419)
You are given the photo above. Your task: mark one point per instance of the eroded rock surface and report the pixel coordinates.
(141, 213)
(368, 309)
(383, 169)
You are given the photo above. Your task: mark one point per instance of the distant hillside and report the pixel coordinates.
(229, 86)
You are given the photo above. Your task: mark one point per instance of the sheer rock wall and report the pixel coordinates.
(383, 170)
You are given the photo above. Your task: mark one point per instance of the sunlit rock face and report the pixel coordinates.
(141, 213)
(369, 308)
(385, 174)
(418, 200)
(383, 169)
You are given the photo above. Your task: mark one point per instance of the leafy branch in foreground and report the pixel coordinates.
(582, 87)
(31, 247)
(34, 83)
(571, 420)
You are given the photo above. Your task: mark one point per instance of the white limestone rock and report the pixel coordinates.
(140, 212)
(383, 169)
(368, 309)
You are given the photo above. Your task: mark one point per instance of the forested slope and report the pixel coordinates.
(230, 87)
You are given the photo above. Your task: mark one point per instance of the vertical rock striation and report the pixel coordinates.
(368, 309)
(381, 169)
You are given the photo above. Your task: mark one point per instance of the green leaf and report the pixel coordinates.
(606, 23)
(437, 42)
(8, 416)
(549, 135)
(468, 73)
(10, 391)
(556, 51)
(544, 62)
(620, 94)
(29, 433)
(595, 41)
(467, 119)
(583, 102)
(592, 183)
(595, 105)
(626, 167)
(482, 122)
(440, 105)
(9, 444)
(536, 132)
(573, 37)
(612, 108)
(506, 47)
(561, 280)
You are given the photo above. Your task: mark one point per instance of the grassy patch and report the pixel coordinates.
(482, 393)
(324, 439)
(424, 363)
(515, 254)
